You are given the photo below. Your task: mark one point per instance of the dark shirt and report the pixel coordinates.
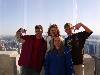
(76, 43)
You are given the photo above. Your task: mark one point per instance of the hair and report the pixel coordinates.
(53, 26)
(62, 45)
(67, 25)
(38, 27)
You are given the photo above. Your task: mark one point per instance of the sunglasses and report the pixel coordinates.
(68, 28)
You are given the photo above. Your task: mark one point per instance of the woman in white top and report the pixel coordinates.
(53, 31)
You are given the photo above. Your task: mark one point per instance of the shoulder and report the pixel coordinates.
(84, 32)
(48, 38)
(28, 36)
(24, 36)
(49, 53)
(53, 51)
(62, 39)
(43, 40)
(67, 49)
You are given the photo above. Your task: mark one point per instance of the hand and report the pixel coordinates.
(22, 41)
(19, 32)
(77, 26)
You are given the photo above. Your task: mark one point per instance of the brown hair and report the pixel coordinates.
(38, 27)
(53, 26)
(67, 25)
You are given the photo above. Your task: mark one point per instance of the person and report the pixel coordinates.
(55, 62)
(53, 30)
(33, 51)
(75, 42)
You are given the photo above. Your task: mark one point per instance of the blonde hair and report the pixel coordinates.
(61, 45)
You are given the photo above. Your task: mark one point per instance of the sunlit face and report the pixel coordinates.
(57, 42)
(38, 32)
(53, 31)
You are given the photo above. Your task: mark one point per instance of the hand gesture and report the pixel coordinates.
(77, 26)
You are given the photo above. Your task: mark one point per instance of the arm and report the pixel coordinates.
(69, 63)
(77, 26)
(46, 65)
(44, 48)
(18, 35)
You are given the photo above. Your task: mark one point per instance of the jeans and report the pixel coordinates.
(28, 71)
(78, 69)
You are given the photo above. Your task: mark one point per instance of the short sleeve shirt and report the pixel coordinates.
(76, 43)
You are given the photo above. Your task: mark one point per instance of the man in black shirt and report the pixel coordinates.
(76, 41)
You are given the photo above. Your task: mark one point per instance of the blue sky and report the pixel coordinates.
(27, 13)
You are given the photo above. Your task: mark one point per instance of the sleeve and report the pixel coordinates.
(69, 63)
(48, 43)
(84, 35)
(44, 48)
(17, 36)
(46, 65)
(25, 37)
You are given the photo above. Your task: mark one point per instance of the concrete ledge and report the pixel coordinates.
(8, 63)
(89, 65)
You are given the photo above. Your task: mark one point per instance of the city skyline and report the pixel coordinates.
(28, 13)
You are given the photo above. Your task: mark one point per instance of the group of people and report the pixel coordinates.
(56, 55)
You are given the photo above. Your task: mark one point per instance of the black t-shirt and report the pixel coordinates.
(76, 43)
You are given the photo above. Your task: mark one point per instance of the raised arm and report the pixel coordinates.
(77, 26)
(18, 35)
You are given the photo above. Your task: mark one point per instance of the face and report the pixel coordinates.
(57, 42)
(68, 30)
(38, 32)
(53, 31)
